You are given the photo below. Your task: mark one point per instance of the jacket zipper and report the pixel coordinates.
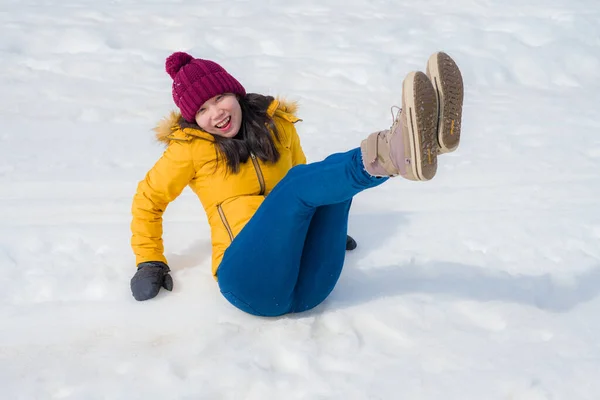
(261, 181)
(224, 220)
(259, 174)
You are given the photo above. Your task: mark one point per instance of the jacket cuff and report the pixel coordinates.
(159, 264)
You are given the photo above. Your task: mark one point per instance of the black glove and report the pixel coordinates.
(350, 243)
(148, 279)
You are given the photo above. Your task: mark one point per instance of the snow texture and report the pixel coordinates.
(481, 284)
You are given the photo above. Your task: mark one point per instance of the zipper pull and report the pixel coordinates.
(253, 156)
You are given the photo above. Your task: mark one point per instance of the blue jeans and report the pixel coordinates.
(290, 254)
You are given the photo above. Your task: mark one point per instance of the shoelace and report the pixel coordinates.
(394, 117)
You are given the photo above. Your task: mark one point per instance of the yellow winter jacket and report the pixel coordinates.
(229, 200)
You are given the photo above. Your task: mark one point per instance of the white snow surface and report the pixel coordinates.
(481, 284)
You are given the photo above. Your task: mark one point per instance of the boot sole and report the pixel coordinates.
(448, 84)
(420, 103)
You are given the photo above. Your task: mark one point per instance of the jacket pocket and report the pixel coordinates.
(225, 222)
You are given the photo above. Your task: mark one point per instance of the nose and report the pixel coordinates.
(212, 113)
(214, 110)
(218, 116)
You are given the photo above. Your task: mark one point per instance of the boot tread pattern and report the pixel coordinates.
(448, 82)
(423, 121)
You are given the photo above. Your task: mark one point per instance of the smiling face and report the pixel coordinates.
(220, 115)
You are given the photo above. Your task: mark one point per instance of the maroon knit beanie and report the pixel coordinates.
(196, 80)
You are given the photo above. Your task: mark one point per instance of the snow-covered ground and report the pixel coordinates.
(482, 284)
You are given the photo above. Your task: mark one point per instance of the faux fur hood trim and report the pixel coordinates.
(175, 127)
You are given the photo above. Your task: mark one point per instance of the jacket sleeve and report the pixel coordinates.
(298, 156)
(162, 184)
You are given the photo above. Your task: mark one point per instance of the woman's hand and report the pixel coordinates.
(149, 278)
(350, 243)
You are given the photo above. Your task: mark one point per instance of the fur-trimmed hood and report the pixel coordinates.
(175, 127)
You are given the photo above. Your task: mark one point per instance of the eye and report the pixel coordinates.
(200, 111)
(219, 97)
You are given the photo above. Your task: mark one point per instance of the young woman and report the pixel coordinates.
(278, 225)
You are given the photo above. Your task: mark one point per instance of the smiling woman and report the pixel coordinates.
(278, 225)
(220, 115)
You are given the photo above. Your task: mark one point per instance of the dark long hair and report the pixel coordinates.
(254, 136)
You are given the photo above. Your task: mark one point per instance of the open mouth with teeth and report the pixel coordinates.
(225, 124)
